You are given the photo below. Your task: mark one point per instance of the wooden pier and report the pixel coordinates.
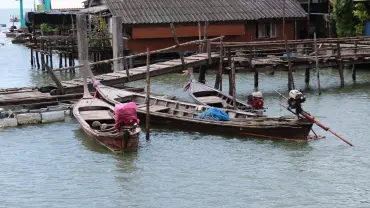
(138, 73)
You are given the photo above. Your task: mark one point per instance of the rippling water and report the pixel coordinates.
(57, 165)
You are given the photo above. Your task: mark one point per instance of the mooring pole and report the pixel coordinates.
(147, 100)
(317, 64)
(340, 62)
(202, 71)
(290, 72)
(354, 65)
(233, 84)
(218, 82)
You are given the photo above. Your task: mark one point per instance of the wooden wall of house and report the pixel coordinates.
(157, 37)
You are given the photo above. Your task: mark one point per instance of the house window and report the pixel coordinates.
(266, 30)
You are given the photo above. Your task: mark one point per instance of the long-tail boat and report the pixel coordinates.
(98, 122)
(184, 115)
(205, 95)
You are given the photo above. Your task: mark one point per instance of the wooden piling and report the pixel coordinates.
(290, 72)
(60, 60)
(131, 62)
(117, 42)
(147, 100)
(42, 55)
(354, 65)
(200, 36)
(37, 59)
(251, 68)
(307, 77)
(340, 63)
(317, 63)
(32, 57)
(65, 60)
(233, 84)
(51, 58)
(70, 60)
(181, 53)
(229, 72)
(203, 70)
(218, 82)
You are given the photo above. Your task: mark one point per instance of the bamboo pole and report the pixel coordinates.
(233, 84)
(147, 100)
(339, 58)
(317, 65)
(202, 71)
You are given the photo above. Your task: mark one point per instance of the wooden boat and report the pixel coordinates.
(183, 115)
(205, 95)
(92, 111)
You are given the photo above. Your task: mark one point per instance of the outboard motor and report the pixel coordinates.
(295, 100)
(256, 100)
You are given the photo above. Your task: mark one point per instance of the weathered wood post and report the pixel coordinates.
(290, 72)
(354, 65)
(202, 71)
(55, 79)
(229, 72)
(340, 63)
(65, 59)
(60, 60)
(83, 50)
(233, 84)
(147, 100)
(317, 64)
(51, 58)
(218, 82)
(37, 59)
(200, 37)
(181, 53)
(251, 68)
(131, 62)
(31, 56)
(42, 55)
(117, 42)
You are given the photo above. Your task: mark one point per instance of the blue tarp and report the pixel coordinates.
(215, 114)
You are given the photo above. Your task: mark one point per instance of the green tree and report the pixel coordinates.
(361, 15)
(342, 13)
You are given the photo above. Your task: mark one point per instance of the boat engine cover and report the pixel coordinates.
(125, 115)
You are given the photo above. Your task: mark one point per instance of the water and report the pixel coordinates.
(57, 165)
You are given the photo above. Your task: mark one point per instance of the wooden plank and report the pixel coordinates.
(96, 115)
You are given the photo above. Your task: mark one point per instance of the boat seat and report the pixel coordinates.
(210, 99)
(96, 115)
(155, 108)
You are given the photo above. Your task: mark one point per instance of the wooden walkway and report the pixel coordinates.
(75, 85)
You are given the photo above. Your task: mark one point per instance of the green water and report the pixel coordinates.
(57, 165)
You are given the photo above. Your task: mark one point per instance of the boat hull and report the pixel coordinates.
(299, 131)
(116, 144)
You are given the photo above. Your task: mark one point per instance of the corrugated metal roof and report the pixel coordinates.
(180, 11)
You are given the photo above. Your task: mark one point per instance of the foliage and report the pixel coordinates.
(98, 34)
(343, 17)
(361, 15)
(46, 28)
